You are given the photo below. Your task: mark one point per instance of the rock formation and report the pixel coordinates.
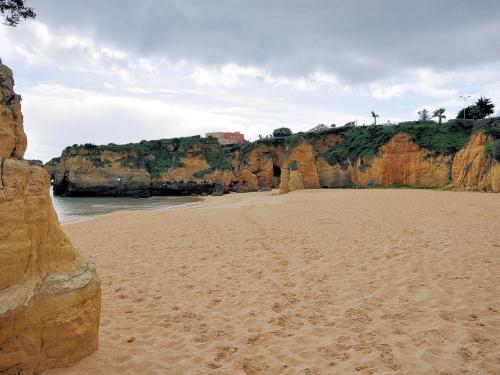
(399, 162)
(452, 155)
(473, 169)
(49, 294)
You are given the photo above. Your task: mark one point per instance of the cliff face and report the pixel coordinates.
(410, 154)
(473, 169)
(399, 162)
(166, 167)
(12, 138)
(49, 294)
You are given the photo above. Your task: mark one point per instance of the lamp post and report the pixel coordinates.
(465, 97)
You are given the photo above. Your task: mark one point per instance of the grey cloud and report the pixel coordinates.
(359, 40)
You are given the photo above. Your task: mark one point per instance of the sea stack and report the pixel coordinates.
(50, 295)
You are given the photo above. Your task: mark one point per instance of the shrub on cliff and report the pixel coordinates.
(282, 132)
(156, 156)
(365, 141)
(495, 151)
(202, 173)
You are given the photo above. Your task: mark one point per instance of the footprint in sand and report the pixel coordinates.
(428, 337)
(259, 338)
(213, 366)
(253, 365)
(224, 352)
(469, 354)
(287, 321)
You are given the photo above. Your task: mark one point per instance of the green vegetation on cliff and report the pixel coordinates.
(293, 165)
(441, 139)
(158, 155)
(355, 142)
(495, 150)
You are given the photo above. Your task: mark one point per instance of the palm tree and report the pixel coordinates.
(439, 113)
(374, 115)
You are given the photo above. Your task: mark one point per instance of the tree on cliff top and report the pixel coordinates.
(439, 113)
(282, 132)
(374, 115)
(483, 107)
(423, 115)
(13, 11)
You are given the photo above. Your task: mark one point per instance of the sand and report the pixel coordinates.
(312, 282)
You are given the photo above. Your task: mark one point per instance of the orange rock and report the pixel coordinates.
(291, 180)
(262, 166)
(262, 161)
(49, 294)
(305, 157)
(402, 162)
(472, 168)
(12, 138)
(246, 180)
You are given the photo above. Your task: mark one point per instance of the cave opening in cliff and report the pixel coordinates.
(276, 176)
(276, 171)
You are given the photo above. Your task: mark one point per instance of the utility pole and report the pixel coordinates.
(465, 102)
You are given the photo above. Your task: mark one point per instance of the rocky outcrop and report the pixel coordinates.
(49, 294)
(35, 162)
(259, 167)
(139, 170)
(291, 180)
(409, 154)
(474, 169)
(301, 161)
(399, 162)
(12, 138)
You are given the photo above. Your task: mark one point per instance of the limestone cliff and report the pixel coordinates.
(399, 162)
(165, 167)
(409, 154)
(49, 294)
(12, 138)
(474, 169)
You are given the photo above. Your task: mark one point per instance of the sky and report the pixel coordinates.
(121, 71)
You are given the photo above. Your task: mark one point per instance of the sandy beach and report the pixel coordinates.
(312, 282)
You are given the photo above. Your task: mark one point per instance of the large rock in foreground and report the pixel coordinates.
(49, 294)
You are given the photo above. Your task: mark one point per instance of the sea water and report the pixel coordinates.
(77, 208)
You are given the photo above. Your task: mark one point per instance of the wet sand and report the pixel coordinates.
(312, 282)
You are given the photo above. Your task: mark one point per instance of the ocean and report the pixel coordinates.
(77, 208)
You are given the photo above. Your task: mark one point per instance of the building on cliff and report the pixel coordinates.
(228, 138)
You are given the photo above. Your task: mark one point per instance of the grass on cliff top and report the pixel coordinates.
(287, 143)
(365, 141)
(357, 142)
(440, 139)
(159, 155)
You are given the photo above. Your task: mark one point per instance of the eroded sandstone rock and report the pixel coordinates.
(49, 294)
(12, 138)
(473, 169)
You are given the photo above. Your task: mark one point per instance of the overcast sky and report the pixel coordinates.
(125, 70)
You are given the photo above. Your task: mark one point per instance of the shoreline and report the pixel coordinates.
(316, 281)
(275, 192)
(92, 217)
